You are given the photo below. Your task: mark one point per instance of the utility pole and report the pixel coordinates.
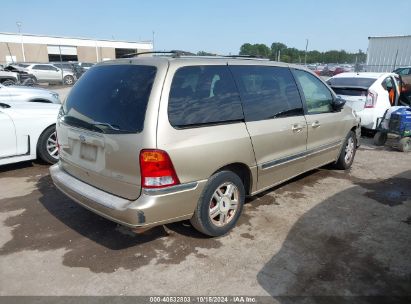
(19, 24)
(61, 66)
(395, 60)
(305, 54)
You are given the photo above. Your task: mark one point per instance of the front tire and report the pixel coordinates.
(220, 204)
(8, 82)
(347, 153)
(31, 81)
(404, 144)
(47, 146)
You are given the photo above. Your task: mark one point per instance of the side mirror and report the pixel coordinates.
(338, 103)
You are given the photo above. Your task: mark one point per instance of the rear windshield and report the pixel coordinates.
(110, 98)
(351, 82)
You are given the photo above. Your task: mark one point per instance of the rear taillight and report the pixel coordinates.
(371, 99)
(156, 169)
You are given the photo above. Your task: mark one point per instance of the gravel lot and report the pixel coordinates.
(325, 233)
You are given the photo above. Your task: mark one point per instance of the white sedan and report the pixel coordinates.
(28, 131)
(21, 93)
(369, 94)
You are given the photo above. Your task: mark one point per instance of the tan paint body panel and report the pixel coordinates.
(116, 168)
(199, 152)
(275, 139)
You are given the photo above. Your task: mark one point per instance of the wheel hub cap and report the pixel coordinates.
(224, 204)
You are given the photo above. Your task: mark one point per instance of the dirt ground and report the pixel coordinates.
(325, 233)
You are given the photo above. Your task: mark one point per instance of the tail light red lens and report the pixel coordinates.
(157, 170)
(371, 99)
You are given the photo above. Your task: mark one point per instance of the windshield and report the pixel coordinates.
(110, 99)
(351, 82)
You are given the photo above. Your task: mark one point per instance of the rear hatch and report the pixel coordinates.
(353, 90)
(100, 127)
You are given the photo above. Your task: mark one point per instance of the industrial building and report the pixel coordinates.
(38, 48)
(385, 54)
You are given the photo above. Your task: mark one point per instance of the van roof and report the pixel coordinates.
(202, 60)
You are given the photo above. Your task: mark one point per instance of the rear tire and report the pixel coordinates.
(47, 145)
(405, 144)
(68, 80)
(31, 81)
(347, 153)
(220, 204)
(380, 138)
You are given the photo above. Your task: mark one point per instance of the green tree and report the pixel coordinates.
(203, 53)
(258, 50)
(276, 48)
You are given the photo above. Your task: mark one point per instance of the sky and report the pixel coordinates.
(215, 26)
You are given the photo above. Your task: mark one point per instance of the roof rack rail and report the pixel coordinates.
(247, 57)
(174, 53)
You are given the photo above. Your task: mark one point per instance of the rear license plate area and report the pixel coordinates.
(88, 152)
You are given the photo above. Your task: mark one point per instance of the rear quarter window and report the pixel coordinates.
(203, 95)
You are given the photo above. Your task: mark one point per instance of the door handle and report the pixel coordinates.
(315, 124)
(297, 128)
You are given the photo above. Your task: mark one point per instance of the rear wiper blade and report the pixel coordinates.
(112, 127)
(106, 124)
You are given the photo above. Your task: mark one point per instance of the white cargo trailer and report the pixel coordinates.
(384, 54)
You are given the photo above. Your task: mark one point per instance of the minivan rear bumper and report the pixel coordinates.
(152, 208)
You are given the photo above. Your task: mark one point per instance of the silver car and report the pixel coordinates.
(49, 73)
(17, 93)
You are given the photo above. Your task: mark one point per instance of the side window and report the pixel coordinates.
(267, 92)
(202, 95)
(318, 97)
(38, 67)
(387, 84)
(406, 71)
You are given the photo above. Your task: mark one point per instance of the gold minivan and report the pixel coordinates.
(152, 140)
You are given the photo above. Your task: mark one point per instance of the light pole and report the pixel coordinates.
(305, 54)
(153, 40)
(19, 24)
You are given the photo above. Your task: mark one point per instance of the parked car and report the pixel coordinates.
(338, 70)
(71, 67)
(405, 75)
(8, 78)
(369, 94)
(24, 78)
(148, 141)
(49, 73)
(28, 94)
(28, 132)
(403, 71)
(85, 65)
(318, 70)
(328, 70)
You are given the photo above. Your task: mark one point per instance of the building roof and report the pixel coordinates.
(73, 41)
(392, 36)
